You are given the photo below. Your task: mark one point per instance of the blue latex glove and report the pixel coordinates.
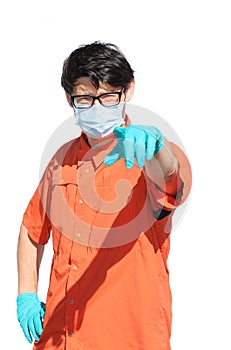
(135, 141)
(30, 312)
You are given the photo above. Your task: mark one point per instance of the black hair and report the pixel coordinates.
(100, 62)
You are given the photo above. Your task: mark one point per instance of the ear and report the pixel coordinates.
(68, 97)
(129, 91)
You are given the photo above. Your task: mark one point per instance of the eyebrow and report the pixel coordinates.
(85, 92)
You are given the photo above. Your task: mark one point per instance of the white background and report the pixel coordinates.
(181, 53)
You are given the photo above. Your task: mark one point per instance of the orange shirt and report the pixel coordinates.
(109, 283)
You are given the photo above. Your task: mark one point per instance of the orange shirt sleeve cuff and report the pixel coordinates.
(162, 200)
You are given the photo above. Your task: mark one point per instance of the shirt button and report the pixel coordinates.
(74, 267)
(72, 301)
(80, 201)
(71, 334)
(87, 171)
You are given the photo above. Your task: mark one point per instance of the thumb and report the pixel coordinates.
(43, 309)
(113, 156)
(119, 132)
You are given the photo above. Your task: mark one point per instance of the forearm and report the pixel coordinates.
(162, 169)
(29, 255)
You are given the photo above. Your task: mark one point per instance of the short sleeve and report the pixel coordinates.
(162, 201)
(35, 218)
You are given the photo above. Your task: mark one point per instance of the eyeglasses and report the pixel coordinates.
(108, 99)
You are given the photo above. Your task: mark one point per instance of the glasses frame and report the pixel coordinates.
(119, 93)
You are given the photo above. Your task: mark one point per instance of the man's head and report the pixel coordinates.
(100, 63)
(98, 80)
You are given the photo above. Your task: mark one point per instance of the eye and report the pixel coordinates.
(109, 99)
(85, 100)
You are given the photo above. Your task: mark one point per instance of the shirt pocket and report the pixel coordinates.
(64, 189)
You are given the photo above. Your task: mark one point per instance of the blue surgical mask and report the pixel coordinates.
(99, 121)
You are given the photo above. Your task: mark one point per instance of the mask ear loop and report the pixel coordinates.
(124, 115)
(127, 120)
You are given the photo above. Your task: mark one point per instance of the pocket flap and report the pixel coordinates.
(64, 175)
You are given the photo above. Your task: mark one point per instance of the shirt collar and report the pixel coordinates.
(97, 153)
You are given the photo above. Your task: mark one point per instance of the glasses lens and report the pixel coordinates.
(112, 99)
(83, 101)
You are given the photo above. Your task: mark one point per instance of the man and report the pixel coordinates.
(108, 198)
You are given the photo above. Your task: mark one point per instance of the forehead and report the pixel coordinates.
(83, 85)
